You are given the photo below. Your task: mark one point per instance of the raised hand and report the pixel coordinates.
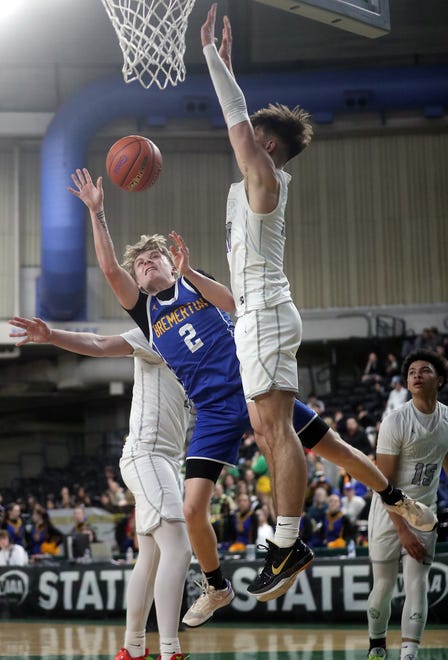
(92, 195)
(33, 330)
(208, 28)
(225, 50)
(180, 253)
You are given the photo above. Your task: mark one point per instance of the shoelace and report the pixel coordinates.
(268, 558)
(203, 585)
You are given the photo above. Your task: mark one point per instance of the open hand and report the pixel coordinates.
(92, 195)
(225, 50)
(180, 253)
(33, 330)
(208, 28)
(208, 36)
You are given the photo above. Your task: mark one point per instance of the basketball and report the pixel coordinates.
(134, 163)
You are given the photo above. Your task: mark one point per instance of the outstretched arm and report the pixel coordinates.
(216, 293)
(208, 37)
(252, 156)
(84, 343)
(121, 282)
(229, 93)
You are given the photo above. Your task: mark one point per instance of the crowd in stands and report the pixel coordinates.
(26, 521)
(242, 510)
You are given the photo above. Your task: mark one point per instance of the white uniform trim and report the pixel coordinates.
(267, 341)
(157, 488)
(255, 250)
(384, 542)
(422, 451)
(158, 423)
(159, 410)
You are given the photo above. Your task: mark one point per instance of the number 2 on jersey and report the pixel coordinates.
(189, 334)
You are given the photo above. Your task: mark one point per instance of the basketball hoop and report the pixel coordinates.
(151, 34)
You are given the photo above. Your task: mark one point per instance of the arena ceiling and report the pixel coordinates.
(49, 49)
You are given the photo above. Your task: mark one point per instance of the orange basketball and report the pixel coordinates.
(134, 163)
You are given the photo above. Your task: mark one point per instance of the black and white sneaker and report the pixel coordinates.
(280, 570)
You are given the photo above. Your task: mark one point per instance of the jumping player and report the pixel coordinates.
(268, 330)
(185, 318)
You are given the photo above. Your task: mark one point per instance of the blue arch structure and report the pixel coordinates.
(61, 294)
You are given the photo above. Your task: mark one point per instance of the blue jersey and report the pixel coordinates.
(195, 339)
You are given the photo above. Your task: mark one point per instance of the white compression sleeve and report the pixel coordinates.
(229, 94)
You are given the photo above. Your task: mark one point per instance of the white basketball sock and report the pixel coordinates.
(409, 648)
(168, 647)
(286, 531)
(134, 642)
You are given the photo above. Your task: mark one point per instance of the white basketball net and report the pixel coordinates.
(151, 34)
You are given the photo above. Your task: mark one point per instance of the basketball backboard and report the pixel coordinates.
(369, 18)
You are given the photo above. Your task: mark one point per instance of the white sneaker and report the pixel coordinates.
(418, 515)
(208, 602)
(377, 653)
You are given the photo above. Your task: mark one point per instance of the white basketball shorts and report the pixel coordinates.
(267, 341)
(384, 543)
(156, 485)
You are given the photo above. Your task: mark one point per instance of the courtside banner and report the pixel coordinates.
(94, 590)
(333, 590)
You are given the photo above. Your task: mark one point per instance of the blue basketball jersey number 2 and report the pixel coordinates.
(189, 336)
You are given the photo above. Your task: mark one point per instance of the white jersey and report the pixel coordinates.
(159, 410)
(255, 250)
(421, 447)
(158, 423)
